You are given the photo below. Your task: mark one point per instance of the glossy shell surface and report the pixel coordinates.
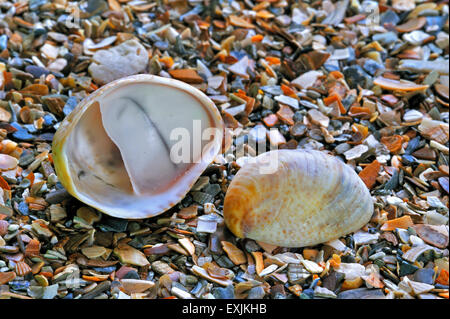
(105, 156)
(311, 198)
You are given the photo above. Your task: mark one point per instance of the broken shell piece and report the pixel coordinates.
(119, 150)
(306, 198)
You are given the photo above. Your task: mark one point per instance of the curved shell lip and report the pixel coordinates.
(61, 162)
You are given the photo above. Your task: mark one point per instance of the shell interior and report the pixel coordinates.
(119, 151)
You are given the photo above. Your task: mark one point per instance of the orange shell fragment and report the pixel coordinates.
(236, 255)
(443, 277)
(370, 173)
(259, 264)
(395, 85)
(393, 143)
(401, 222)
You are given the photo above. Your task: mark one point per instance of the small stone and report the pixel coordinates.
(443, 181)
(128, 58)
(57, 65)
(416, 241)
(285, 114)
(403, 5)
(215, 81)
(411, 25)
(372, 67)
(442, 90)
(126, 272)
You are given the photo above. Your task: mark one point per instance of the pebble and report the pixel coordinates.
(128, 58)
